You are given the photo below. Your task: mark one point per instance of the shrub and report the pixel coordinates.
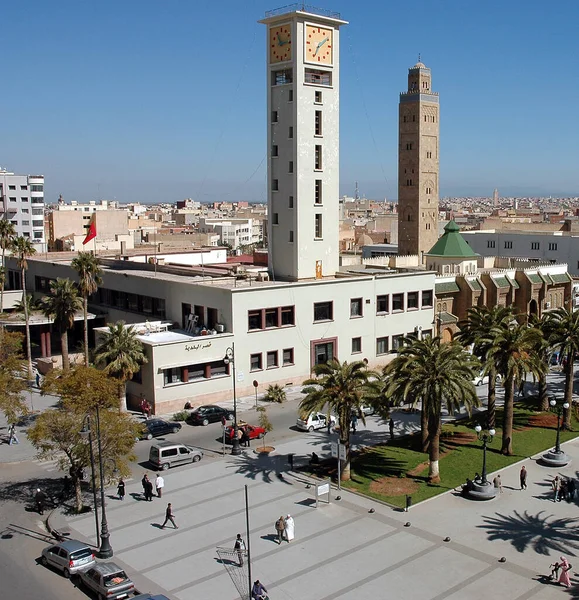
(180, 416)
(275, 393)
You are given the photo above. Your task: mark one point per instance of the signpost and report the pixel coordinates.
(321, 490)
(255, 384)
(339, 452)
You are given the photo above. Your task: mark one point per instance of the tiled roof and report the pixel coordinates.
(446, 288)
(513, 282)
(501, 282)
(452, 244)
(534, 277)
(561, 278)
(474, 284)
(446, 317)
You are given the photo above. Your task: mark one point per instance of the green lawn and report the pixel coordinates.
(377, 471)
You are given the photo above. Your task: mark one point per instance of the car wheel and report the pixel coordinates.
(174, 430)
(230, 417)
(196, 458)
(66, 573)
(165, 466)
(149, 436)
(205, 422)
(44, 561)
(260, 436)
(310, 428)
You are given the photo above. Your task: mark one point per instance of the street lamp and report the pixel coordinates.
(230, 358)
(105, 550)
(485, 437)
(556, 457)
(559, 410)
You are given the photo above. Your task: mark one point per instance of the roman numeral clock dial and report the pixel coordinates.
(319, 41)
(280, 43)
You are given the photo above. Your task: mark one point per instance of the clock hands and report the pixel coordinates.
(320, 44)
(281, 42)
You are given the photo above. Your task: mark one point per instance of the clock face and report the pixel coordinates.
(280, 43)
(319, 41)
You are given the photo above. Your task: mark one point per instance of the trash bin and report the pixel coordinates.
(408, 502)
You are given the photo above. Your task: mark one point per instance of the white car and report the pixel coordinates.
(484, 380)
(367, 410)
(315, 420)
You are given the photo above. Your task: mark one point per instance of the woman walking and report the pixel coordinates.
(121, 489)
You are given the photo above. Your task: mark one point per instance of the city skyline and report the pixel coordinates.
(155, 103)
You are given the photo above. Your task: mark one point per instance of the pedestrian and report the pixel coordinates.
(570, 489)
(169, 516)
(498, 484)
(523, 477)
(144, 484)
(354, 421)
(149, 492)
(40, 501)
(142, 406)
(244, 437)
(159, 485)
(556, 485)
(258, 591)
(37, 379)
(240, 436)
(563, 490)
(12, 437)
(66, 487)
(223, 421)
(239, 546)
(121, 489)
(280, 529)
(289, 528)
(329, 425)
(391, 427)
(565, 568)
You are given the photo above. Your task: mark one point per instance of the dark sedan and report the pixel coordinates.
(156, 427)
(210, 413)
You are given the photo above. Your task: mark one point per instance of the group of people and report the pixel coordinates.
(285, 529)
(564, 566)
(563, 489)
(147, 487)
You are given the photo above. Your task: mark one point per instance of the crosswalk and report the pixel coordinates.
(52, 466)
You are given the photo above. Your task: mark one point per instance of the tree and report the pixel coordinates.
(56, 433)
(62, 305)
(338, 388)
(86, 264)
(7, 235)
(513, 354)
(275, 393)
(23, 249)
(476, 331)
(12, 383)
(264, 421)
(120, 354)
(435, 374)
(564, 335)
(542, 350)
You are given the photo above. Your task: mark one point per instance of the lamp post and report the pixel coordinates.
(559, 410)
(485, 437)
(87, 433)
(230, 358)
(105, 549)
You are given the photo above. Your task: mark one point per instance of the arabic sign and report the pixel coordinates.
(199, 346)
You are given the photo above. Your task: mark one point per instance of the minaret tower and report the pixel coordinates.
(418, 164)
(303, 112)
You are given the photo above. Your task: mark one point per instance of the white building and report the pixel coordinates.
(235, 232)
(22, 203)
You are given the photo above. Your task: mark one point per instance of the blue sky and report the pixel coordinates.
(159, 101)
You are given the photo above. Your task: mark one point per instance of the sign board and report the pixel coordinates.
(334, 447)
(321, 490)
(240, 376)
(342, 452)
(338, 450)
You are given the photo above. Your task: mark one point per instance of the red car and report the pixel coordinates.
(253, 431)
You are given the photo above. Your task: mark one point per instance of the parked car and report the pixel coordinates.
(210, 413)
(315, 420)
(484, 380)
(70, 557)
(156, 427)
(367, 410)
(164, 455)
(150, 597)
(108, 581)
(255, 432)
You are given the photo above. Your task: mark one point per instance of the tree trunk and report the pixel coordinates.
(568, 391)
(491, 399)
(543, 397)
(434, 449)
(85, 314)
(123, 396)
(507, 444)
(64, 350)
(27, 323)
(3, 281)
(78, 494)
(424, 435)
(344, 420)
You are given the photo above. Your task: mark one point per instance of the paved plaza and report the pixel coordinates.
(341, 549)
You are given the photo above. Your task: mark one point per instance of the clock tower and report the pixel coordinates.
(418, 165)
(303, 170)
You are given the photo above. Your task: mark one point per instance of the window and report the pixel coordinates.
(356, 345)
(552, 246)
(275, 219)
(38, 235)
(382, 304)
(426, 333)
(356, 307)
(291, 237)
(318, 192)
(274, 151)
(318, 123)
(26, 223)
(318, 97)
(272, 361)
(274, 116)
(271, 317)
(23, 187)
(275, 185)
(429, 155)
(290, 96)
(290, 202)
(291, 166)
(254, 320)
(408, 146)
(255, 361)
(290, 133)
(288, 356)
(36, 200)
(397, 302)
(412, 300)
(535, 245)
(323, 352)
(427, 298)
(318, 77)
(172, 376)
(12, 199)
(36, 223)
(24, 199)
(508, 245)
(11, 187)
(318, 226)
(323, 311)
(25, 210)
(491, 244)
(288, 316)
(282, 77)
(318, 158)
(397, 342)
(381, 345)
(36, 188)
(409, 182)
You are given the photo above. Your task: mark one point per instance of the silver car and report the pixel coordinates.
(108, 581)
(69, 557)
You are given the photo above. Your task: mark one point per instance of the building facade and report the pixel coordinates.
(418, 164)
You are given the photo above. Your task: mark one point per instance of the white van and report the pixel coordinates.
(164, 455)
(315, 420)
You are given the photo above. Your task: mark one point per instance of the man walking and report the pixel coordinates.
(354, 420)
(498, 484)
(169, 516)
(239, 546)
(280, 529)
(523, 477)
(159, 485)
(391, 427)
(556, 485)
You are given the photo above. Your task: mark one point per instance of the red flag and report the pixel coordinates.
(92, 232)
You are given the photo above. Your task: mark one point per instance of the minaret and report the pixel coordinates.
(418, 164)
(303, 114)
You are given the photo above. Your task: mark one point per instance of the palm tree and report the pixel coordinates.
(564, 336)
(513, 354)
(62, 305)
(86, 264)
(121, 354)
(543, 350)
(476, 331)
(23, 249)
(7, 235)
(339, 388)
(435, 374)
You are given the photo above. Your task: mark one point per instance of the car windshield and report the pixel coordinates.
(78, 554)
(114, 578)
